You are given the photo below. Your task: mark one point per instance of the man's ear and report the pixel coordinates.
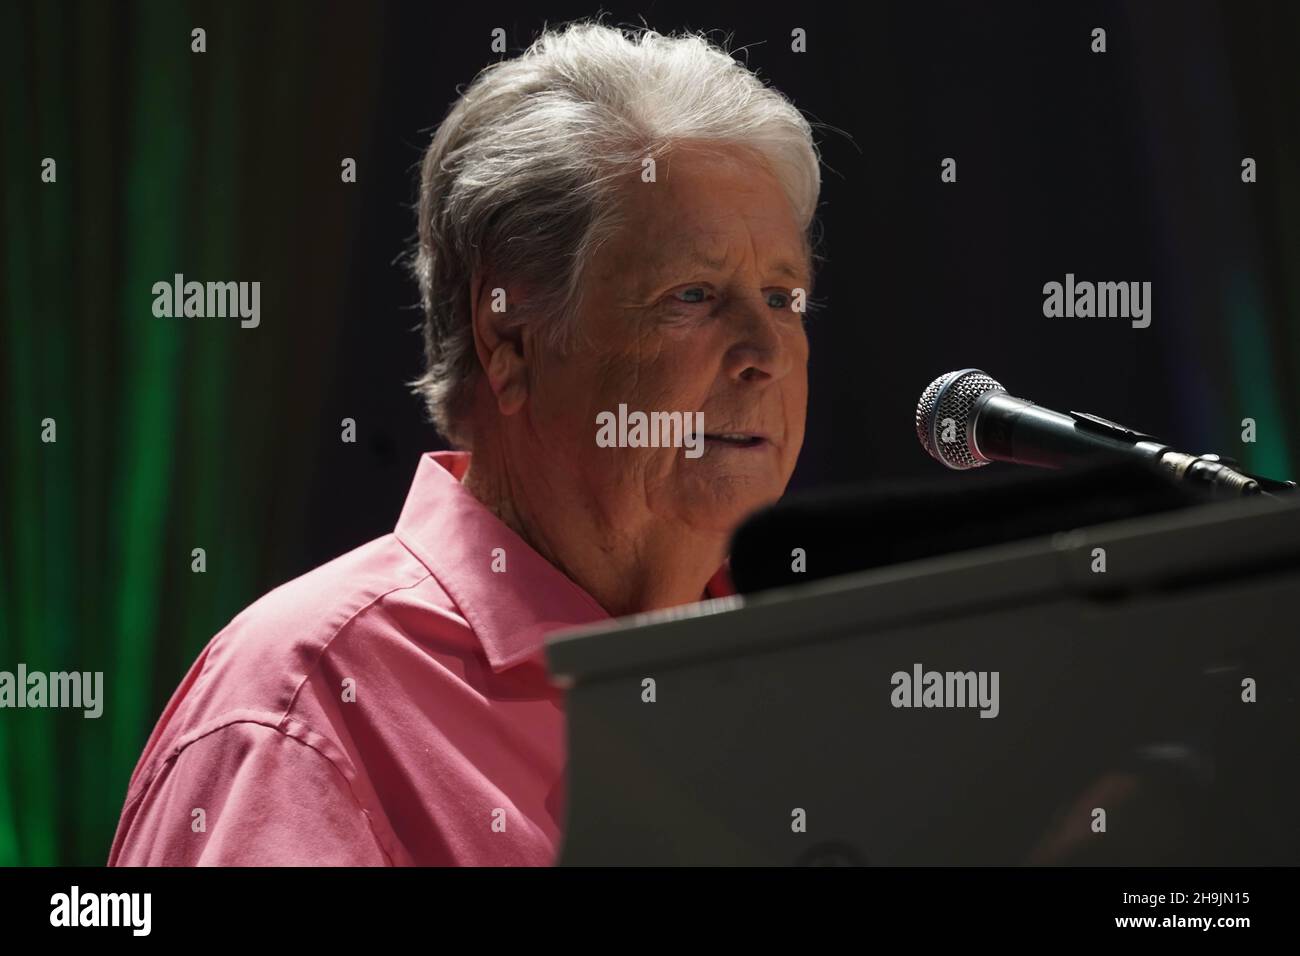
(501, 346)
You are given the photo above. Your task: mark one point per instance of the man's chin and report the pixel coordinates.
(724, 510)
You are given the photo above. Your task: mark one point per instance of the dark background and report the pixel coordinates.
(176, 434)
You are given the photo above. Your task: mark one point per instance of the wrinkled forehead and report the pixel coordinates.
(704, 208)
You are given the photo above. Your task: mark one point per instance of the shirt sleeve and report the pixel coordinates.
(247, 794)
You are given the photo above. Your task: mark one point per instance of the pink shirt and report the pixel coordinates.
(390, 707)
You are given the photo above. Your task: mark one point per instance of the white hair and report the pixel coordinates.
(522, 174)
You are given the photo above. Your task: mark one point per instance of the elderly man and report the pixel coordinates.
(611, 219)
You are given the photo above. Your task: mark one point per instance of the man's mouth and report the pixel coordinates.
(736, 439)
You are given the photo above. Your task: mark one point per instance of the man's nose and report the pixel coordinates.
(761, 351)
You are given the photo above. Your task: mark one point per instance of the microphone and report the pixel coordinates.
(966, 419)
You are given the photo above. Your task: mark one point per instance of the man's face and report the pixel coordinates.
(688, 308)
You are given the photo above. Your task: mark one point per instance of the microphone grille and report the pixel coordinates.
(952, 396)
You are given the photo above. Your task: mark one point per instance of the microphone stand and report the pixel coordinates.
(1220, 475)
(1268, 487)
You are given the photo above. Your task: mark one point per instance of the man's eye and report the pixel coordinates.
(778, 300)
(695, 293)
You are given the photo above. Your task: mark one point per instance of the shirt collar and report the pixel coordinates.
(456, 537)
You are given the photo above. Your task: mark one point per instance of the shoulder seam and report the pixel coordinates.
(277, 728)
(325, 645)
